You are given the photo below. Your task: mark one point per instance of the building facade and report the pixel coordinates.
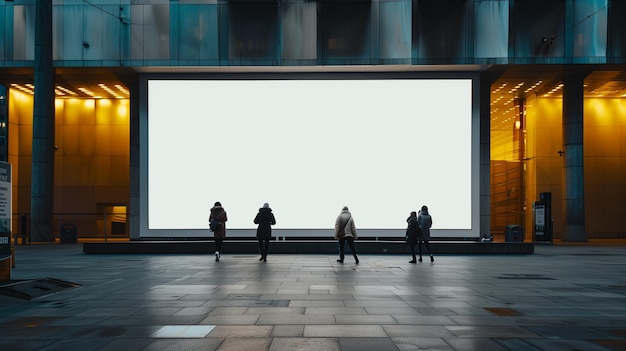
(552, 91)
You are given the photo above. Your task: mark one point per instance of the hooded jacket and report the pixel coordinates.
(412, 230)
(265, 219)
(217, 212)
(344, 220)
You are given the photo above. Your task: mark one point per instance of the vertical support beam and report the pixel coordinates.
(485, 155)
(42, 176)
(135, 182)
(573, 157)
(486, 79)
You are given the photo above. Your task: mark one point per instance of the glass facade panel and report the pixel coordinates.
(395, 27)
(539, 28)
(3, 36)
(439, 29)
(197, 37)
(68, 22)
(616, 28)
(150, 32)
(345, 32)
(491, 29)
(303, 32)
(590, 23)
(253, 31)
(110, 34)
(299, 30)
(24, 33)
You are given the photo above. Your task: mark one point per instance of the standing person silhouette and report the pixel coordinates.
(218, 214)
(265, 219)
(413, 232)
(425, 221)
(345, 230)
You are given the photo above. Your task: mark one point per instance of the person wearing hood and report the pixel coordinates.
(345, 230)
(424, 221)
(219, 215)
(413, 232)
(265, 219)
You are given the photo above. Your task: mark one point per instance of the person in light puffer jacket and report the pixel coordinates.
(345, 230)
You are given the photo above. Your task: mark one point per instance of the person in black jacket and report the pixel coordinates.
(265, 219)
(218, 214)
(413, 232)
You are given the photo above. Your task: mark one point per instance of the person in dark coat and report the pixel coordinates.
(425, 221)
(265, 219)
(413, 232)
(218, 213)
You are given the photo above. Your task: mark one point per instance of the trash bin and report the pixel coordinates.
(513, 233)
(68, 234)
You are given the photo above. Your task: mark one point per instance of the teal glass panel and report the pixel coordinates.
(440, 30)
(299, 30)
(395, 29)
(4, 31)
(491, 29)
(23, 32)
(345, 32)
(197, 37)
(150, 32)
(253, 31)
(590, 28)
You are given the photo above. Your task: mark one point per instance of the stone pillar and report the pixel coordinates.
(484, 104)
(573, 160)
(42, 174)
(486, 80)
(135, 147)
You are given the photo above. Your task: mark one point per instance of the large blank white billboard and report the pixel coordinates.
(382, 147)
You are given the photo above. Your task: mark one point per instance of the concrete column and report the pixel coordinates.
(486, 80)
(42, 174)
(573, 160)
(484, 104)
(135, 147)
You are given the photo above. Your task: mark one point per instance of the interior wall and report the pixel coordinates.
(20, 107)
(604, 162)
(605, 167)
(544, 165)
(92, 158)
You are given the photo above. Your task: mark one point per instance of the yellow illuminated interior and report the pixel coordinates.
(92, 158)
(542, 166)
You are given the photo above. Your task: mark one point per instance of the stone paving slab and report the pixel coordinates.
(559, 298)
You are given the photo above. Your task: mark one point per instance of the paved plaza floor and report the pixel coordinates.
(562, 297)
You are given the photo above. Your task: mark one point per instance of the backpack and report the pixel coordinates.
(214, 225)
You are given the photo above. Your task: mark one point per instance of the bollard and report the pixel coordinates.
(12, 257)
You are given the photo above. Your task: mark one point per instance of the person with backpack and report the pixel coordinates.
(424, 222)
(265, 219)
(413, 232)
(345, 230)
(217, 224)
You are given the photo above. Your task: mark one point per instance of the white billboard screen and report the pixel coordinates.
(382, 147)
